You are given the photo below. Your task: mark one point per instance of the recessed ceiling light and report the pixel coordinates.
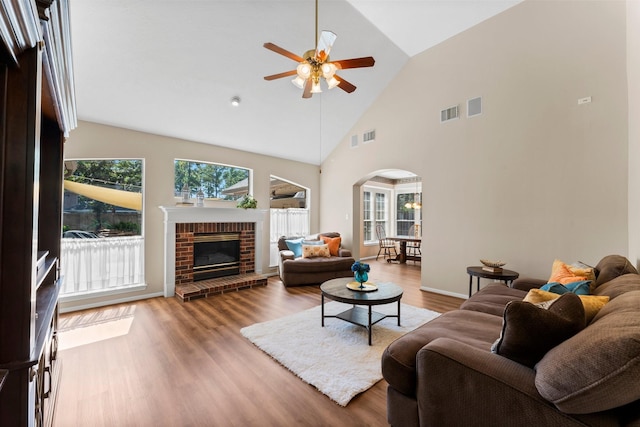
(235, 101)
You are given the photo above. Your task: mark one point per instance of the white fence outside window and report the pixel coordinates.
(286, 222)
(92, 265)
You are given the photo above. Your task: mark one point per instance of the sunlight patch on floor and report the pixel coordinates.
(82, 329)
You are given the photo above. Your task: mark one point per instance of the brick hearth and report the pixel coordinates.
(211, 287)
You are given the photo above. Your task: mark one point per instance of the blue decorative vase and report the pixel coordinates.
(361, 277)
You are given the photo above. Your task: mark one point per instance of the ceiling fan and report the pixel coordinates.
(315, 63)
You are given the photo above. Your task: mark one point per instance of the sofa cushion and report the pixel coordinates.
(329, 234)
(333, 243)
(611, 267)
(529, 331)
(492, 299)
(592, 303)
(399, 358)
(619, 285)
(599, 368)
(319, 265)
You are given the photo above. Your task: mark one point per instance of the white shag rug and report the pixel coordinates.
(336, 359)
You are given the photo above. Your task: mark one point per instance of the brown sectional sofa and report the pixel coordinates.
(444, 373)
(307, 271)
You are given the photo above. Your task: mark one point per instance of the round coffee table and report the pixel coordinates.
(336, 289)
(505, 275)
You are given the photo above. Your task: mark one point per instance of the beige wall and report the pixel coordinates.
(633, 77)
(536, 176)
(92, 140)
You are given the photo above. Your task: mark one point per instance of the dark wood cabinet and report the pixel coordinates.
(37, 111)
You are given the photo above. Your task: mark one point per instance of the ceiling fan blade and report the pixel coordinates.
(281, 75)
(307, 89)
(345, 85)
(325, 42)
(343, 64)
(284, 52)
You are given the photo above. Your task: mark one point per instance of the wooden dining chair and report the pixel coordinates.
(386, 245)
(413, 248)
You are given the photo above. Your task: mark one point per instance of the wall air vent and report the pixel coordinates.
(450, 113)
(474, 107)
(369, 136)
(354, 141)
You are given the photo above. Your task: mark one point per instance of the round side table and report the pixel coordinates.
(506, 276)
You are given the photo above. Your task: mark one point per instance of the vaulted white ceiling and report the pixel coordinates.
(170, 67)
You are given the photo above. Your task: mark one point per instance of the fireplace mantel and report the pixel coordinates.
(177, 215)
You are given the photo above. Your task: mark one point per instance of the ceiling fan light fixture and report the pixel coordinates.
(332, 82)
(328, 70)
(304, 70)
(315, 87)
(298, 82)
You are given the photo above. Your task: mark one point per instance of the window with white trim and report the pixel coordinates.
(407, 214)
(375, 211)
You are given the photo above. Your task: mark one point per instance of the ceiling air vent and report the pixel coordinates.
(354, 141)
(450, 113)
(474, 107)
(369, 136)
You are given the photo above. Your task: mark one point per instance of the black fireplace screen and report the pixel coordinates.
(216, 255)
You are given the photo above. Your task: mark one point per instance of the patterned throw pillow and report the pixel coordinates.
(313, 251)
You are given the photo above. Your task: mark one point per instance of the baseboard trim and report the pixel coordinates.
(441, 292)
(66, 309)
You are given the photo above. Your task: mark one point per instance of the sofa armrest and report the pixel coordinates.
(457, 383)
(527, 283)
(284, 255)
(344, 252)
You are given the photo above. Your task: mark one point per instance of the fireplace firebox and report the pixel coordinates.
(215, 255)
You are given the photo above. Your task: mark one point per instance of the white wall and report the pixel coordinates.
(96, 141)
(536, 176)
(633, 78)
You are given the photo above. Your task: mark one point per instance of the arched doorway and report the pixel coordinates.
(391, 198)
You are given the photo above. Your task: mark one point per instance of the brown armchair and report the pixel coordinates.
(298, 270)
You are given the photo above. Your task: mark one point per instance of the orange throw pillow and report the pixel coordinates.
(561, 273)
(333, 243)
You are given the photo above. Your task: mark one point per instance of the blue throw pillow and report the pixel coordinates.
(579, 288)
(295, 246)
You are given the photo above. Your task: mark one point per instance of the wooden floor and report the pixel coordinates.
(161, 362)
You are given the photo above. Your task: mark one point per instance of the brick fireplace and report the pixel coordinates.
(186, 232)
(181, 224)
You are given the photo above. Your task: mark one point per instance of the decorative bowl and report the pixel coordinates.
(495, 264)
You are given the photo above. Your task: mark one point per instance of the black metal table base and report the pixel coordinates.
(360, 316)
